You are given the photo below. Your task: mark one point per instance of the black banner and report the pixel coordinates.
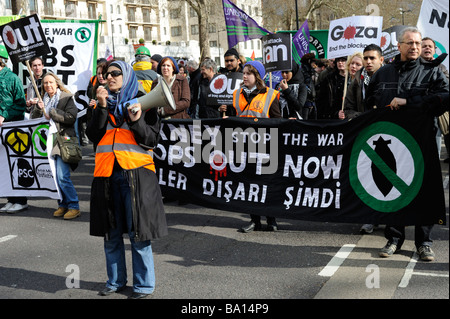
(380, 168)
(221, 88)
(24, 39)
(277, 52)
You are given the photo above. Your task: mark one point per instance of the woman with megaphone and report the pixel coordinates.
(125, 194)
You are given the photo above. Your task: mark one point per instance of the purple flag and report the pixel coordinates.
(301, 42)
(240, 27)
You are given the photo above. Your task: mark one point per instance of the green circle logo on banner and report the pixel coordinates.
(386, 167)
(39, 139)
(83, 34)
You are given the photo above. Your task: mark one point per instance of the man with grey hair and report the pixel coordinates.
(208, 69)
(194, 82)
(409, 81)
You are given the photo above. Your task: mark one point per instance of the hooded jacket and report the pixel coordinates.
(144, 74)
(224, 70)
(329, 101)
(12, 96)
(293, 98)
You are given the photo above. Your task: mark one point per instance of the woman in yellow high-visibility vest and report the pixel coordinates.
(254, 99)
(125, 194)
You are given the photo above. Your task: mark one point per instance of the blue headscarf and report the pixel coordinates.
(128, 91)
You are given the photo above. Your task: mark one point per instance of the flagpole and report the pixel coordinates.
(345, 89)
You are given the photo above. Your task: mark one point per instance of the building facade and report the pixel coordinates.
(166, 27)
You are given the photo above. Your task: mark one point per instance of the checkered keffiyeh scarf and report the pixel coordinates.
(51, 102)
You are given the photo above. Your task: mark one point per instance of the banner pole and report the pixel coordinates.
(345, 89)
(34, 82)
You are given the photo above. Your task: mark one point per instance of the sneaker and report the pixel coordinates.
(15, 208)
(425, 253)
(5, 208)
(60, 212)
(366, 229)
(388, 250)
(109, 291)
(72, 213)
(251, 227)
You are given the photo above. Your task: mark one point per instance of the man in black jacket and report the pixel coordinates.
(232, 62)
(293, 92)
(428, 53)
(354, 100)
(409, 81)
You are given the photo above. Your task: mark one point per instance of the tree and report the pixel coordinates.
(17, 5)
(202, 10)
(280, 15)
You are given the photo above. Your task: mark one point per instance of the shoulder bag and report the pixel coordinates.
(69, 148)
(444, 123)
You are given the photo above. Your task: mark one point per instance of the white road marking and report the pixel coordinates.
(409, 271)
(429, 274)
(337, 261)
(5, 238)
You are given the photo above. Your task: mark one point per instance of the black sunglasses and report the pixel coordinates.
(114, 74)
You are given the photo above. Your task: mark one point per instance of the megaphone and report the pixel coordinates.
(159, 96)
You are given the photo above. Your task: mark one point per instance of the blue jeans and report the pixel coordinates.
(396, 235)
(141, 251)
(68, 192)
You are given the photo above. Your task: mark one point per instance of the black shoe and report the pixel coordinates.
(138, 295)
(109, 291)
(272, 227)
(251, 227)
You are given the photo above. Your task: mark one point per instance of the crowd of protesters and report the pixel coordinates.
(317, 89)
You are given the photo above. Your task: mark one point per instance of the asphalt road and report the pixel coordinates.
(206, 258)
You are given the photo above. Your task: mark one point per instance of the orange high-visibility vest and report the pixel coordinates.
(119, 144)
(258, 107)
